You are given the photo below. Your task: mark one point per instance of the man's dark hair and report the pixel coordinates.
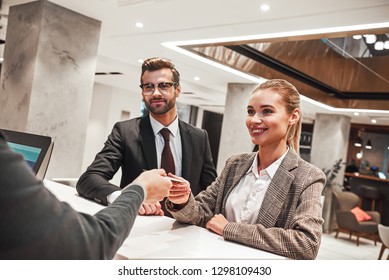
(158, 63)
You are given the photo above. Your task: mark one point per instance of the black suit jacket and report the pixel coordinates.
(34, 224)
(131, 147)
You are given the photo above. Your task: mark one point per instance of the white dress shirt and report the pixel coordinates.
(246, 198)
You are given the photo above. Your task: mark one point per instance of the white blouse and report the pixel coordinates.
(246, 198)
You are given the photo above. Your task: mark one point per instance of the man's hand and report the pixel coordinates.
(157, 184)
(151, 209)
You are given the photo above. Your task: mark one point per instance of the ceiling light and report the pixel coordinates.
(139, 24)
(357, 37)
(302, 32)
(358, 142)
(358, 139)
(370, 38)
(265, 7)
(176, 46)
(356, 113)
(373, 121)
(368, 145)
(196, 78)
(386, 45)
(359, 155)
(140, 60)
(379, 45)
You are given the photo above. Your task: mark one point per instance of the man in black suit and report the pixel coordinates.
(136, 145)
(36, 225)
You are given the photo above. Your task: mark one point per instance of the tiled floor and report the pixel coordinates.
(342, 248)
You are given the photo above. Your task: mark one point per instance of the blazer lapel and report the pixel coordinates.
(187, 149)
(277, 191)
(147, 142)
(238, 169)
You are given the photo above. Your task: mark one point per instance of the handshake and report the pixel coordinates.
(159, 185)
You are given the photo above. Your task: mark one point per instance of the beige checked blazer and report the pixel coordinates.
(289, 221)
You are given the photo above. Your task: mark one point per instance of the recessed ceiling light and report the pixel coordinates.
(356, 113)
(140, 60)
(265, 7)
(373, 121)
(139, 24)
(196, 78)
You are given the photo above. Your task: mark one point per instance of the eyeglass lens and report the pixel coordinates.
(164, 87)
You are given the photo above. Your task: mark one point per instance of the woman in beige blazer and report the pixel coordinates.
(269, 199)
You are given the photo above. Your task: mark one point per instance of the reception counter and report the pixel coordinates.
(385, 182)
(356, 180)
(156, 237)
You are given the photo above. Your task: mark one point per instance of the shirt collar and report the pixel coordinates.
(271, 169)
(157, 126)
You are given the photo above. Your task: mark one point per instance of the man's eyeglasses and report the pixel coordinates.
(164, 87)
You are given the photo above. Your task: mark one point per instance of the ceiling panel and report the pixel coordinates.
(337, 71)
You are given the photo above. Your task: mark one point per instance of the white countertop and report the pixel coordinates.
(156, 237)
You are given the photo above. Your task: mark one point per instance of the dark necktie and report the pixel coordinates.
(167, 161)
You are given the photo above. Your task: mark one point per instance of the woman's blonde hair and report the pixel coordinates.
(291, 98)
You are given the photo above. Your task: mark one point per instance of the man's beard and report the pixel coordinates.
(161, 109)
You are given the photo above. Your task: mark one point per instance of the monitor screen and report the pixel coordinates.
(36, 149)
(381, 175)
(29, 153)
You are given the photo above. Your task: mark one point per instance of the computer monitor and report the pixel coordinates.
(36, 149)
(381, 175)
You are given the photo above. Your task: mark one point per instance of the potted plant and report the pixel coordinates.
(330, 187)
(332, 174)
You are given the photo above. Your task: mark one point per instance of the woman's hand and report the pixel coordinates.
(180, 191)
(217, 224)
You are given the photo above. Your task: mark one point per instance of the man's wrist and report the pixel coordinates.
(140, 185)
